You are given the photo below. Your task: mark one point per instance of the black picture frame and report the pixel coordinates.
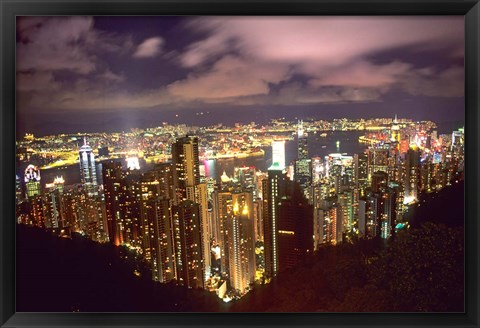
(11, 8)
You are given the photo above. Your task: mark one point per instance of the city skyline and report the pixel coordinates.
(265, 163)
(229, 234)
(125, 72)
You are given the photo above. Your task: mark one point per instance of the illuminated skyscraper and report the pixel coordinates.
(361, 171)
(201, 195)
(158, 237)
(186, 166)
(188, 244)
(53, 204)
(303, 165)
(88, 172)
(112, 186)
(32, 181)
(241, 248)
(395, 132)
(223, 208)
(412, 175)
(156, 223)
(274, 191)
(278, 154)
(345, 205)
(302, 142)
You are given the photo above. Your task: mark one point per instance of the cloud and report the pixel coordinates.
(323, 41)
(335, 54)
(65, 63)
(428, 82)
(39, 81)
(363, 74)
(149, 48)
(110, 76)
(64, 44)
(229, 77)
(56, 44)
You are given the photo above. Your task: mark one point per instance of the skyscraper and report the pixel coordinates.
(157, 221)
(32, 181)
(303, 165)
(112, 186)
(223, 207)
(188, 244)
(241, 243)
(302, 142)
(158, 237)
(295, 229)
(274, 191)
(88, 172)
(412, 174)
(186, 166)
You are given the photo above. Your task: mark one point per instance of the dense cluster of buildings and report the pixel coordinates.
(226, 235)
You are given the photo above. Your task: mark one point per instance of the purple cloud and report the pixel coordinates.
(149, 48)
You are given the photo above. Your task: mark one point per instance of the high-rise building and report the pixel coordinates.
(185, 159)
(188, 244)
(223, 208)
(32, 181)
(377, 160)
(131, 190)
(302, 142)
(157, 228)
(395, 132)
(361, 171)
(345, 206)
(295, 229)
(158, 237)
(202, 199)
(37, 211)
(186, 166)
(53, 204)
(278, 154)
(258, 219)
(412, 174)
(112, 186)
(379, 181)
(241, 247)
(378, 213)
(329, 226)
(273, 191)
(88, 174)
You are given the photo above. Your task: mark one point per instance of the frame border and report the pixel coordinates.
(10, 9)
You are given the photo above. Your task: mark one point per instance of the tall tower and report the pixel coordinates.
(112, 186)
(302, 142)
(395, 131)
(303, 165)
(295, 229)
(274, 191)
(186, 166)
(88, 172)
(32, 181)
(188, 244)
(241, 242)
(185, 158)
(412, 174)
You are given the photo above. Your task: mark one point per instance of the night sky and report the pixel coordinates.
(86, 74)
